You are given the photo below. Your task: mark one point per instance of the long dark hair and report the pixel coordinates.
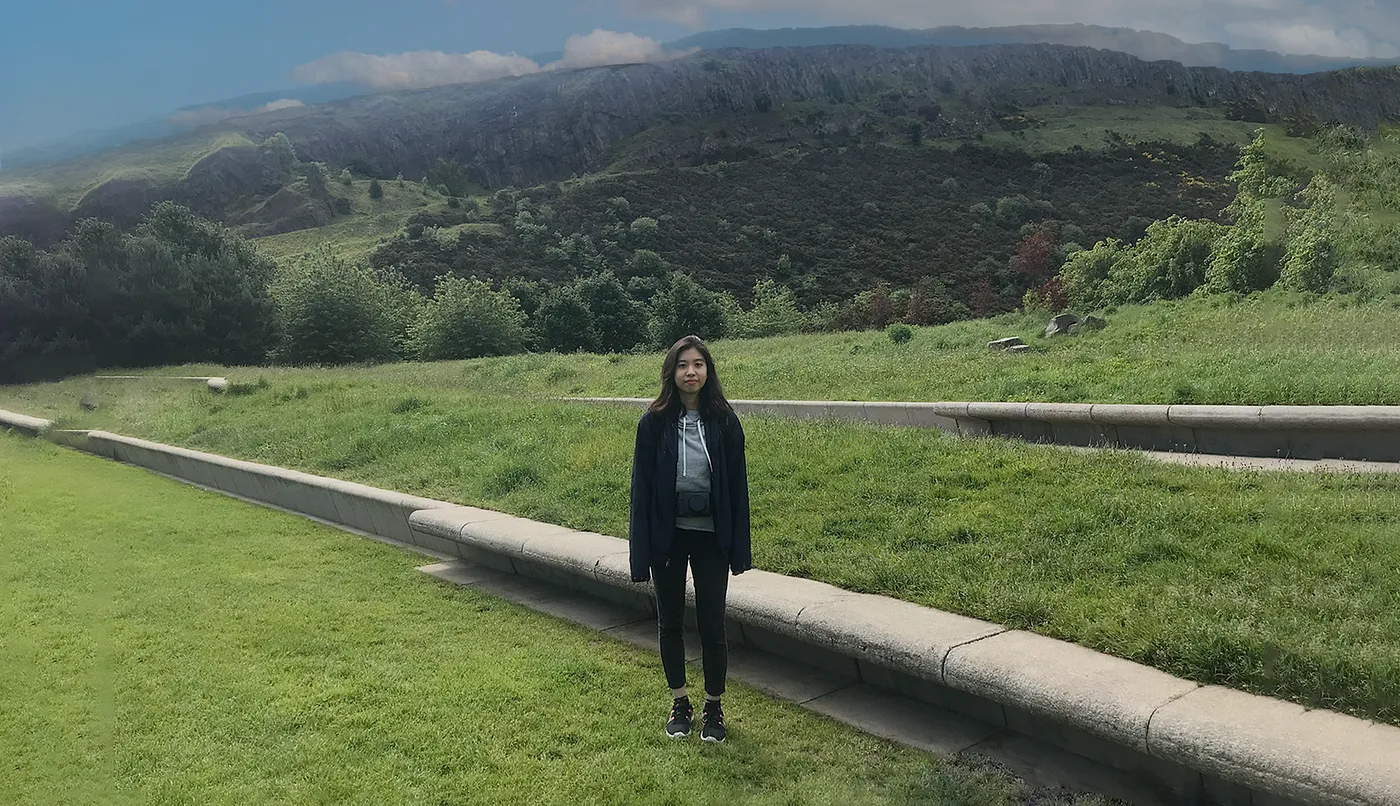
(712, 401)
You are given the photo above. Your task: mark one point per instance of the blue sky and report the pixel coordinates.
(71, 64)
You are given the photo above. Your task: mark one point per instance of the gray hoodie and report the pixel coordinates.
(693, 467)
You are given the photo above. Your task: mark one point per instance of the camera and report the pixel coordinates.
(692, 505)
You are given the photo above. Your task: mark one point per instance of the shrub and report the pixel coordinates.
(466, 319)
(774, 312)
(619, 324)
(375, 191)
(1309, 262)
(334, 312)
(564, 322)
(684, 308)
(1242, 262)
(899, 333)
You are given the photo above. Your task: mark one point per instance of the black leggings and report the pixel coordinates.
(710, 570)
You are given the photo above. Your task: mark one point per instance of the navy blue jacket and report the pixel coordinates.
(653, 516)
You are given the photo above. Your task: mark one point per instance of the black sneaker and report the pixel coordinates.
(712, 722)
(682, 717)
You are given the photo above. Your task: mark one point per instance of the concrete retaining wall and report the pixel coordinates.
(1198, 744)
(32, 426)
(1369, 433)
(357, 506)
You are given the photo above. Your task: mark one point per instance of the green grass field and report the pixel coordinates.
(354, 237)
(1278, 584)
(158, 162)
(167, 645)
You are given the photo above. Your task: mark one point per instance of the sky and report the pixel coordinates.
(68, 65)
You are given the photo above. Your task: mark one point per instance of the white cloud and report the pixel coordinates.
(421, 68)
(205, 115)
(610, 47)
(432, 68)
(1353, 28)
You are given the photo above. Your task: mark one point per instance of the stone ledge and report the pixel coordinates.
(1315, 757)
(1106, 696)
(23, 423)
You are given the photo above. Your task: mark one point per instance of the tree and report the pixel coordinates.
(881, 307)
(450, 176)
(345, 177)
(619, 324)
(375, 191)
(685, 308)
(284, 156)
(466, 319)
(984, 300)
(1033, 253)
(564, 322)
(644, 230)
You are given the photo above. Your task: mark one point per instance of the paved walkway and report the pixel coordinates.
(844, 699)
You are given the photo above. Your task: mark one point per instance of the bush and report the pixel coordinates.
(334, 312)
(564, 322)
(899, 333)
(685, 308)
(1242, 262)
(1309, 262)
(1085, 274)
(466, 319)
(774, 312)
(619, 324)
(1170, 261)
(375, 191)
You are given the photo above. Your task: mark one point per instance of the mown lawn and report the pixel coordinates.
(1280, 584)
(166, 645)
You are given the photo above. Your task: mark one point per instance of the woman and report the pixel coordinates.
(690, 503)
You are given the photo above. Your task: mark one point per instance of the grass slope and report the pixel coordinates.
(1269, 349)
(355, 235)
(157, 162)
(205, 650)
(1278, 584)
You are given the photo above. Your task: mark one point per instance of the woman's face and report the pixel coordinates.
(691, 372)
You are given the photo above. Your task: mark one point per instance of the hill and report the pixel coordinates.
(710, 107)
(1146, 45)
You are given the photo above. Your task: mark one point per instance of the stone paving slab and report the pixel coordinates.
(778, 677)
(1044, 765)
(899, 719)
(643, 634)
